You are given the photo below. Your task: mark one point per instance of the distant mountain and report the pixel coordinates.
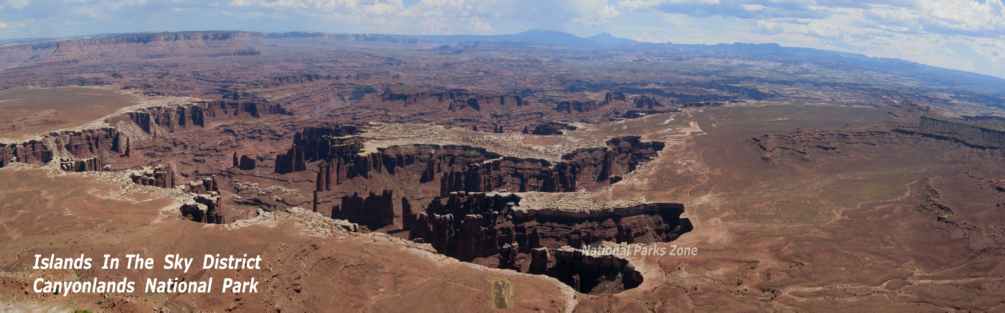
(927, 76)
(930, 76)
(530, 37)
(606, 39)
(547, 37)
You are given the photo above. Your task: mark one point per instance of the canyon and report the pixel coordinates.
(386, 173)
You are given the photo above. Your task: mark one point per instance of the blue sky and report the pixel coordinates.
(960, 34)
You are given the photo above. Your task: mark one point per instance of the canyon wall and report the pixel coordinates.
(485, 229)
(471, 225)
(966, 133)
(583, 168)
(585, 273)
(156, 121)
(455, 99)
(462, 168)
(97, 143)
(373, 211)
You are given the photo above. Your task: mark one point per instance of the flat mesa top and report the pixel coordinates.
(33, 111)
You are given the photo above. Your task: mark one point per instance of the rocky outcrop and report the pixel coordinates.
(472, 225)
(461, 168)
(342, 159)
(551, 128)
(646, 102)
(160, 176)
(803, 144)
(998, 184)
(206, 204)
(85, 165)
(579, 106)
(478, 227)
(318, 143)
(203, 185)
(77, 144)
(455, 99)
(165, 119)
(244, 163)
(968, 133)
(374, 211)
(203, 208)
(32, 151)
(582, 168)
(586, 273)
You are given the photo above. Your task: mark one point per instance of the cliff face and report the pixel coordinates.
(470, 225)
(963, 132)
(374, 211)
(485, 229)
(85, 165)
(343, 160)
(584, 168)
(206, 205)
(462, 168)
(455, 99)
(317, 143)
(158, 120)
(97, 143)
(160, 176)
(805, 144)
(203, 209)
(144, 46)
(106, 143)
(32, 151)
(585, 273)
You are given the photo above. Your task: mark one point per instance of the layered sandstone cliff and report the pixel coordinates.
(471, 225)
(484, 228)
(968, 133)
(462, 168)
(97, 143)
(156, 121)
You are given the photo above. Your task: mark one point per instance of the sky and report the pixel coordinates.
(967, 35)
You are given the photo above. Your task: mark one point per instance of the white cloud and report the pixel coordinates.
(974, 16)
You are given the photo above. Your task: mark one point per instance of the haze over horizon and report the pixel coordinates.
(964, 35)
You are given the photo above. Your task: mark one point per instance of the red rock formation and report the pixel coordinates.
(374, 211)
(246, 163)
(407, 215)
(158, 120)
(203, 185)
(317, 143)
(579, 106)
(470, 225)
(586, 273)
(646, 102)
(85, 165)
(551, 128)
(32, 151)
(344, 162)
(203, 209)
(968, 133)
(160, 176)
(455, 99)
(477, 226)
(83, 144)
(998, 184)
(582, 168)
